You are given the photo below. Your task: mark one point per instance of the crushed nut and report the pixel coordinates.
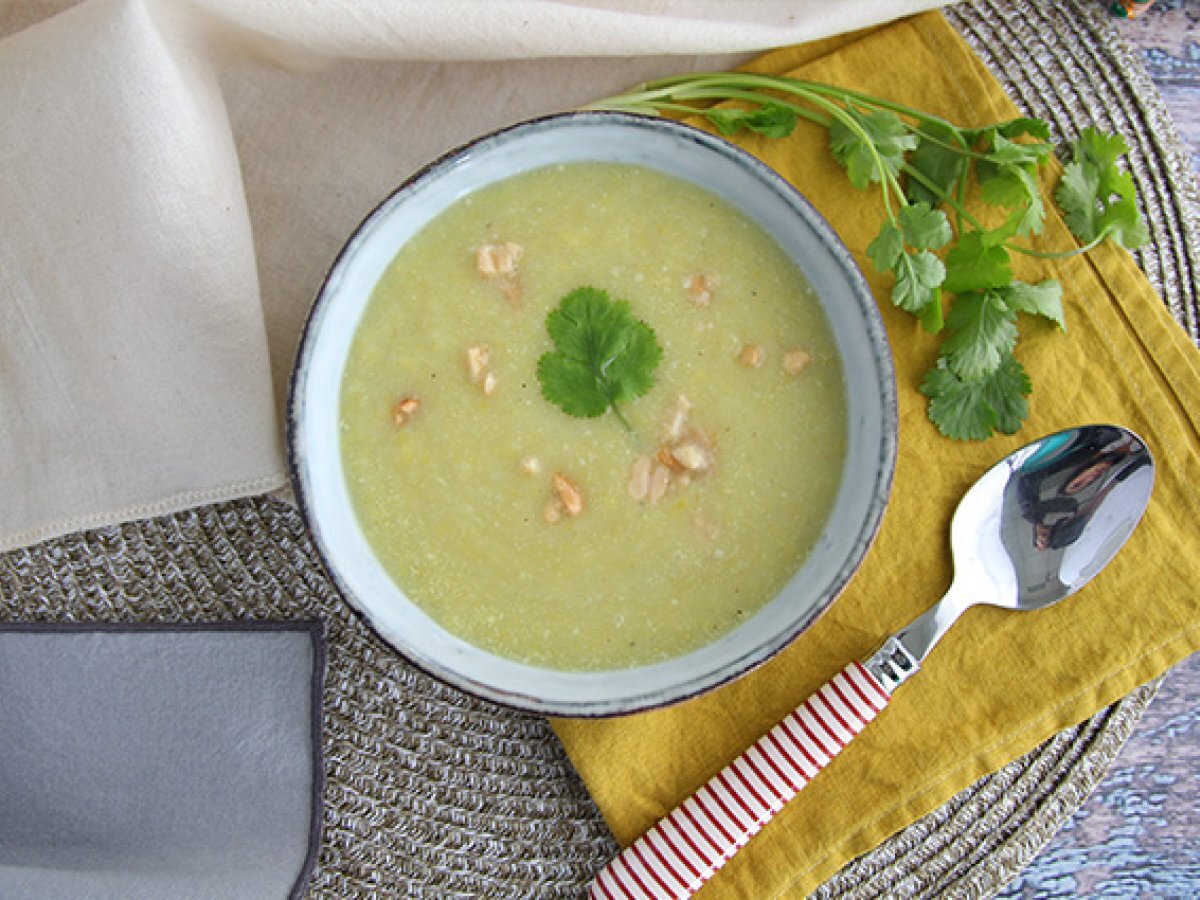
(568, 494)
(692, 456)
(678, 418)
(700, 288)
(478, 356)
(660, 480)
(796, 361)
(498, 262)
(665, 458)
(404, 409)
(685, 455)
(531, 465)
(639, 478)
(751, 355)
(552, 511)
(478, 359)
(498, 259)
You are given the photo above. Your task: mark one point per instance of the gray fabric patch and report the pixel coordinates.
(151, 762)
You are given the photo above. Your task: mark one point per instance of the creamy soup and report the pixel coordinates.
(578, 543)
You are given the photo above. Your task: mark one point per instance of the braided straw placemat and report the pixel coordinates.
(433, 794)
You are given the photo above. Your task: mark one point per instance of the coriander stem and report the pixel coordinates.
(880, 103)
(782, 83)
(1061, 254)
(621, 417)
(702, 93)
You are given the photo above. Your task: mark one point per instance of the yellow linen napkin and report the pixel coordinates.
(1002, 682)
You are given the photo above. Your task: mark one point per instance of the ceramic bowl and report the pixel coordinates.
(679, 150)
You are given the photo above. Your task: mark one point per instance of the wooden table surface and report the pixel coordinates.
(1138, 835)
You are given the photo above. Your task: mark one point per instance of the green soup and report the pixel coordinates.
(576, 543)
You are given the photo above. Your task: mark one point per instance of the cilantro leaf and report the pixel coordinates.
(937, 163)
(1042, 299)
(923, 227)
(631, 374)
(930, 317)
(1013, 153)
(571, 386)
(983, 331)
(972, 410)
(1008, 177)
(973, 264)
(1014, 186)
(875, 139)
(1100, 148)
(1035, 128)
(771, 120)
(1005, 392)
(1098, 199)
(887, 247)
(918, 280)
(603, 356)
(1000, 186)
(1076, 194)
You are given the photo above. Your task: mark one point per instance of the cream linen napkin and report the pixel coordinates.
(175, 177)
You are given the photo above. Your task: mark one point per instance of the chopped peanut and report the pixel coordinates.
(478, 356)
(665, 457)
(660, 479)
(498, 262)
(639, 478)
(498, 259)
(568, 494)
(796, 361)
(692, 456)
(751, 355)
(531, 465)
(686, 455)
(678, 417)
(552, 511)
(404, 409)
(700, 288)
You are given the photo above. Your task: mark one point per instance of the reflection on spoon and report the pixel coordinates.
(1079, 494)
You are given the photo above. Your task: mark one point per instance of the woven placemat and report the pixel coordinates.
(433, 794)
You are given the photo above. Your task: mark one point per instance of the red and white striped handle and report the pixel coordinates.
(677, 856)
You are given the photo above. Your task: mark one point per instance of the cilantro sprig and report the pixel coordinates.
(603, 356)
(951, 271)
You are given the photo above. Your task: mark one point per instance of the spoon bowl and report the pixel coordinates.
(1036, 527)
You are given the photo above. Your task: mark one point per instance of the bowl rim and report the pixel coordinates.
(688, 687)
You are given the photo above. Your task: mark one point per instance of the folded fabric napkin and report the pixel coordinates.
(1001, 682)
(172, 195)
(160, 761)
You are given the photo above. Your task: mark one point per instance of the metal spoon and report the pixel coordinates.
(1034, 529)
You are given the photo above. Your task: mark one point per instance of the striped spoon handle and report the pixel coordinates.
(678, 855)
